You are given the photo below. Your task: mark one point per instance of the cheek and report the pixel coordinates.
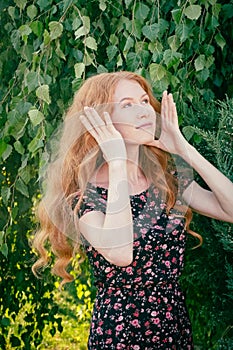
(127, 132)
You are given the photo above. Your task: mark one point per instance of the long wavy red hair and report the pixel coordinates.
(77, 158)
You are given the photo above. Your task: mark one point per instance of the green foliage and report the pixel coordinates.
(47, 48)
(208, 277)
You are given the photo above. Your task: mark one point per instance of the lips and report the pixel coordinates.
(145, 125)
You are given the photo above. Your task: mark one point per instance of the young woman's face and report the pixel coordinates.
(133, 116)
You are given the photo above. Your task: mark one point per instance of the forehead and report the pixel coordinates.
(128, 88)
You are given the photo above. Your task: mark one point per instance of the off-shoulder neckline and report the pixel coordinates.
(131, 195)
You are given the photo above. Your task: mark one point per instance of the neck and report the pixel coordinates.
(133, 170)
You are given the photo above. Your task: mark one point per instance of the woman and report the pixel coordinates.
(118, 190)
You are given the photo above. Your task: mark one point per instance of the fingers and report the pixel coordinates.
(169, 111)
(99, 128)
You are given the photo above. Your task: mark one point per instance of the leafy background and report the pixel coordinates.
(47, 48)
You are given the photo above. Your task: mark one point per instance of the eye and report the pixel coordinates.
(127, 105)
(146, 100)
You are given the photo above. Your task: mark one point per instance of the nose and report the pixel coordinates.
(141, 111)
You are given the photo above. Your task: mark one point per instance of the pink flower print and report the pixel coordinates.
(141, 293)
(108, 331)
(176, 221)
(107, 301)
(174, 261)
(135, 323)
(152, 203)
(168, 316)
(109, 275)
(108, 269)
(167, 263)
(136, 313)
(155, 339)
(153, 221)
(148, 264)
(100, 323)
(136, 347)
(99, 331)
(119, 327)
(156, 320)
(169, 307)
(148, 332)
(146, 324)
(154, 313)
(142, 197)
(167, 254)
(162, 205)
(164, 246)
(129, 270)
(152, 299)
(117, 306)
(175, 232)
(138, 279)
(136, 243)
(109, 341)
(120, 318)
(182, 236)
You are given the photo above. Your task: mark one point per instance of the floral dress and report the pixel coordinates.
(140, 306)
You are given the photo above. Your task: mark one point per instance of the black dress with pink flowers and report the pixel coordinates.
(141, 306)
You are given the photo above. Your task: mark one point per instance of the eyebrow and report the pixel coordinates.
(131, 98)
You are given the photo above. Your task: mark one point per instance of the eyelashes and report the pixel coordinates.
(130, 104)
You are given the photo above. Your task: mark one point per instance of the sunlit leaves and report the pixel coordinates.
(32, 11)
(56, 30)
(141, 11)
(157, 71)
(22, 187)
(91, 43)
(84, 29)
(79, 69)
(35, 116)
(42, 92)
(199, 62)
(193, 11)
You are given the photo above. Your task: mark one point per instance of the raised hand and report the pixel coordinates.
(171, 139)
(105, 134)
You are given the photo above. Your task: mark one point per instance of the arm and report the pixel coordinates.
(111, 233)
(216, 203)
